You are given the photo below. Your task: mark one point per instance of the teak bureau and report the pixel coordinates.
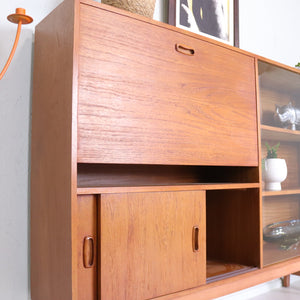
(145, 168)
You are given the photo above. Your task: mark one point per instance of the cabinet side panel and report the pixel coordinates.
(51, 157)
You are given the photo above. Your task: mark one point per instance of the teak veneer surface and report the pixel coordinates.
(164, 188)
(147, 246)
(141, 101)
(87, 228)
(53, 184)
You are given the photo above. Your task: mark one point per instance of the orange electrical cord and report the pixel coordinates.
(19, 18)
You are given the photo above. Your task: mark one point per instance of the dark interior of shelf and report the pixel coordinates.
(232, 226)
(98, 175)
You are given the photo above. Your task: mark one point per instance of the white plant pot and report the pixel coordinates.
(274, 172)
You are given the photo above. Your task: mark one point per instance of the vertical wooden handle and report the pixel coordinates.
(184, 49)
(195, 239)
(88, 252)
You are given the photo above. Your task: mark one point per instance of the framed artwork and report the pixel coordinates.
(218, 19)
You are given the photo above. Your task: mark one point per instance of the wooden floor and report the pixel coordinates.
(269, 291)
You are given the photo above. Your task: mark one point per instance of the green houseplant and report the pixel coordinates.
(272, 150)
(274, 169)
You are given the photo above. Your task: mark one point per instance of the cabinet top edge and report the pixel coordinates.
(188, 33)
(118, 11)
(93, 3)
(276, 64)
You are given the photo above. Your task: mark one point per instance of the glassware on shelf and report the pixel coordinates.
(286, 234)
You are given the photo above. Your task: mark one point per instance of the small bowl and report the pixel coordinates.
(286, 234)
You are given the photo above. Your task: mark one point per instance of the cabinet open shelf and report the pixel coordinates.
(281, 193)
(161, 188)
(280, 134)
(124, 175)
(232, 230)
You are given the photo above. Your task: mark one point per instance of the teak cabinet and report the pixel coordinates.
(147, 143)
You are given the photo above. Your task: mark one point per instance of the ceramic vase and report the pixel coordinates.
(274, 172)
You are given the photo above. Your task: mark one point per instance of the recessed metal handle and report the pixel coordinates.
(195, 240)
(184, 49)
(88, 252)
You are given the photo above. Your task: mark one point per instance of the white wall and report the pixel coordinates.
(270, 28)
(15, 107)
(267, 27)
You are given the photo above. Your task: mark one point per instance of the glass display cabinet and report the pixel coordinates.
(279, 90)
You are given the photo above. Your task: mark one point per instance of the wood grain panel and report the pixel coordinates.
(53, 266)
(146, 243)
(141, 101)
(87, 228)
(163, 188)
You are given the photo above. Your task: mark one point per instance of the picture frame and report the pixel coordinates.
(217, 19)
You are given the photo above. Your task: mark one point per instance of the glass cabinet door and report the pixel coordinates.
(279, 93)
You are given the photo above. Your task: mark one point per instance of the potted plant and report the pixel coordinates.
(274, 169)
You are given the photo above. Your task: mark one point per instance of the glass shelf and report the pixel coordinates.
(281, 193)
(280, 134)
